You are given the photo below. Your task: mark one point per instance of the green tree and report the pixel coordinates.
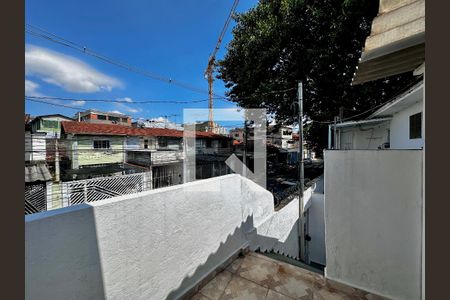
(279, 42)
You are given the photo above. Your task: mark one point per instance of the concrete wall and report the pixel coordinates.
(400, 128)
(316, 227)
(373, 220)
(363, 137)
(150, 245)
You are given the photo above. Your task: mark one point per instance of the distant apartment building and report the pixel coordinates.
(216, 128)
(157, 123)
(98, 117)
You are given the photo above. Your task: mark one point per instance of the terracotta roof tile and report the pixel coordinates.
(111, 129)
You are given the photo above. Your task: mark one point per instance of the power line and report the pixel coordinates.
(149, 101)
(47, 35)
(117, 100)
(404, 90)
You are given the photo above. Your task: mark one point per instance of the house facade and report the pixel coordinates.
(237, 134)
(396, 125)
(48, 124)
(99, 117)
(281, 136)
(107, 149)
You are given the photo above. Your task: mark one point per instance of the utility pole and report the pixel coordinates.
(301, 217)
(57, 172)
(245, 147)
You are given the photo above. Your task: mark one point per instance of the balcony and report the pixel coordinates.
(151, 245)
(152, 157)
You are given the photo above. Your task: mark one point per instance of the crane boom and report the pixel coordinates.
(209, 72)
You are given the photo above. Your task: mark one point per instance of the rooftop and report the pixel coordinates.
(85, 128)
(396, 43)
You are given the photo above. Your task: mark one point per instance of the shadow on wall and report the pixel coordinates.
(218, 261)
(131, 247)
(76, 259)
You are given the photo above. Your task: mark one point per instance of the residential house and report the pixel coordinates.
(211, 152)
(374, 201)
(280, 135)
(48, 124)
(37, 173)
(99, 117)
(107, 149)
(237, 134)
(102, 149)
(396, 125)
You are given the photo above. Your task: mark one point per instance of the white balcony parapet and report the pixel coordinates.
(151, 245)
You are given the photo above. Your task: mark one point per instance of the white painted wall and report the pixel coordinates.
(363, 137)
(316, 228)
(373, 227)
(150, 245)
(35, 146)
(400, 128)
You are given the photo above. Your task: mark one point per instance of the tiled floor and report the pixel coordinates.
(256, 276)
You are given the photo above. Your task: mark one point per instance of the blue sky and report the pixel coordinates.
(170, 38)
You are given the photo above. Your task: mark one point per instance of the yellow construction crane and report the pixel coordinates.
(209, 72)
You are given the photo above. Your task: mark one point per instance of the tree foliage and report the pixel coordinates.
(279, 42)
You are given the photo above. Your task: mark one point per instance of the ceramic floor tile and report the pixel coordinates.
(214, 289)
(234, 266)
(272, 295)
(257, 270)
(199, 296)
(324, 294)
(292, 282)
(242, 289)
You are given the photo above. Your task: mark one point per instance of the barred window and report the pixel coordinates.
(104, 144)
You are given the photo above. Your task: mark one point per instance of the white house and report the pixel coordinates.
(396, 125)
(281, 136)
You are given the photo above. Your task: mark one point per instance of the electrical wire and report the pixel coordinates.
(47, 35)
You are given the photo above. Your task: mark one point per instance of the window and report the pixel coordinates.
(101, 117)
(224, 144)
(415, 126)
(125, 120)
(101, 144)
(162, 142)
(208, 144)
(145, 144)
(49, 124)
(114, 119)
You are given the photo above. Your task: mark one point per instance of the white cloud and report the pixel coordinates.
(31, 88)
(127, 108)
(66, 71)
(126, 99)
(116, 112)
(78, 103)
